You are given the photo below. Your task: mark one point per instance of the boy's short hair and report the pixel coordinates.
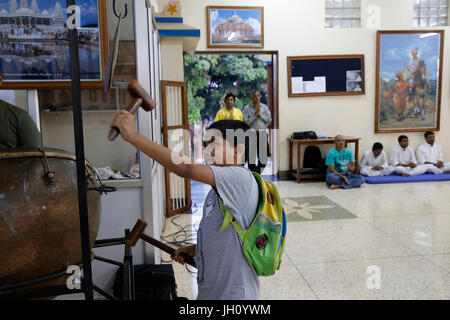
(428, 133)
(377, 146)
(402, 137)
(230, 95)
(226, 125)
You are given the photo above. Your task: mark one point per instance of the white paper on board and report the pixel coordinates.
(297, 84)
(321, 84)
(309, 86)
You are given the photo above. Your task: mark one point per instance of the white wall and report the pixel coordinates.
(17, 98)
(58, 133)
(172, 59)
(126, 25)
(296, 28)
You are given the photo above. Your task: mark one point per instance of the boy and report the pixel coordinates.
(223, 271)
(341, 165)
(374, 162)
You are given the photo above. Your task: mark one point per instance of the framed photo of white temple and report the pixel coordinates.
(34, 43)
(235, 27)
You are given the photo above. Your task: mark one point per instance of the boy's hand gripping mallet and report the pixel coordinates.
(141, 99)
(138, 233)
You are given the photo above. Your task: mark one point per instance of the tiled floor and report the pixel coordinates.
(377, 242)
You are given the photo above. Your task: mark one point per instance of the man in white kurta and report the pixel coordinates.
(404, 160)
(430, 155)
(374, 162)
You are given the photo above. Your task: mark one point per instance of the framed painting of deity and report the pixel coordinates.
(408, 80)
(235, 27)
(34, 44)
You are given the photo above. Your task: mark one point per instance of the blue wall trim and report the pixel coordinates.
(169, 19)
(179, 33)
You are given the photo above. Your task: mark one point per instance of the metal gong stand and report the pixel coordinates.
(19, 290)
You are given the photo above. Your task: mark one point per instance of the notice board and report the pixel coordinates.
(326, 75)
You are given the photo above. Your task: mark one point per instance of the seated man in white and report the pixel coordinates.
(374, 162)
(404, 160)
(430, 155)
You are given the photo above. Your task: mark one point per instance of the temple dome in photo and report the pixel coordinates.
(235, 24)
(31, 16)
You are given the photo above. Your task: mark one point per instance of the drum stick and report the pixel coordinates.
(138, 233)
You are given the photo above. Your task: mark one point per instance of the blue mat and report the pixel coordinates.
(395, 178)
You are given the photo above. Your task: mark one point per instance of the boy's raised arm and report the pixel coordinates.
(175, 162)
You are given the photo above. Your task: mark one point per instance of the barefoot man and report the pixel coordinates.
(341, 167)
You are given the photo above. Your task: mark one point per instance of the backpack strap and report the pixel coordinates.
(228, 218)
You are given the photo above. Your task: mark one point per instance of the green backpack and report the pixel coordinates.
(263, 242)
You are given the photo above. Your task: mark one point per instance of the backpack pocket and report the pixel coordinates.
(262, 244)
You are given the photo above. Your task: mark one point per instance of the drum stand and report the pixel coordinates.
(87, 285)
(22, 291)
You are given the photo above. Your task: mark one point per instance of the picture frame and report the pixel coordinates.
(34, 45)
(326, 75)
(408, 80)
(223, 21)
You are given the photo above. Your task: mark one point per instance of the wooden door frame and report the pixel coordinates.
(275, 76)
(187, 183)
(275, 91)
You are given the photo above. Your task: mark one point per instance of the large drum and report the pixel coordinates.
(39, 217)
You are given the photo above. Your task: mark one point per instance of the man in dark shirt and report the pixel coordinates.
(17, 129)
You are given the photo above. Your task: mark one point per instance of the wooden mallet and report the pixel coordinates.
(138, 233)
(141, 99)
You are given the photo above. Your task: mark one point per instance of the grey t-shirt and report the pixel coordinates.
(223, 271)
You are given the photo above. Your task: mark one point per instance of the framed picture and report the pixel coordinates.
(408, 80)
(326, 75)
(235, 27)
(34, 44)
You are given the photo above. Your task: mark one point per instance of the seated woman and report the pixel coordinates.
(341, 167)
(374, 162)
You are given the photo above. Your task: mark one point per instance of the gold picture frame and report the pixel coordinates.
(235, 27)
(32, 55)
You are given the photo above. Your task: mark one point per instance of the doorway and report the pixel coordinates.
(211, 75)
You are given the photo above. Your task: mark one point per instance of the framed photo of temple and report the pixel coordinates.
(235, 27)
(408, 81)
(34, 44)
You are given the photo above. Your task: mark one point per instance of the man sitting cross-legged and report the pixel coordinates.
(430, 155)
(341, 167)
(404, 160)
(374, 162)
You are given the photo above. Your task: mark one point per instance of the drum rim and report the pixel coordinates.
(34, 152)
(49, 153)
